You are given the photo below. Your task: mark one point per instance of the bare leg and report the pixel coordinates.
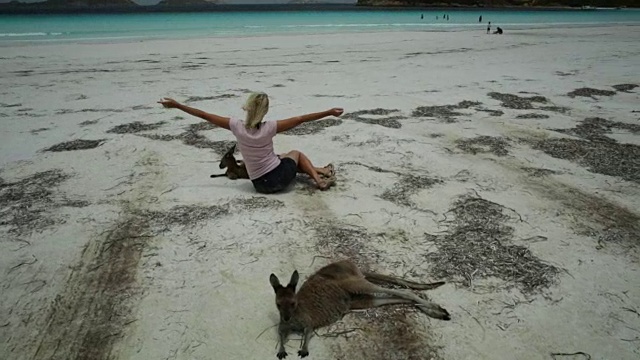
(305, 166)
(295, 155)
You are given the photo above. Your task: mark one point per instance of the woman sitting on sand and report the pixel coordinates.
(269, 172)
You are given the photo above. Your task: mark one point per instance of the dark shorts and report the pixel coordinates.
(277, 179)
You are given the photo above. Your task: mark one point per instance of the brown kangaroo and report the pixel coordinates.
(235, 168)
(334, 290)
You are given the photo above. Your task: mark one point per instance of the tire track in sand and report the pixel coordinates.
(93, 311)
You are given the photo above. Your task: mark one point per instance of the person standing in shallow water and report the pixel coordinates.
(480, 19)
(269, 173)
(489, 28)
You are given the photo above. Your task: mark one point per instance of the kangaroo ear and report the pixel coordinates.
(230, 151)
(275, 283)
(294, 280)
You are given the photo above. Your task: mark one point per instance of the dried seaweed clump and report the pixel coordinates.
(313, 127)
(557, 109)
(517, 102)
(201, 126)
(39, 130)
(532, 116)
(376, 111)
(624, 235)
(199, 141)
(134, 127)
(594, 129)
(89, 122)
(624, 87)
(9, 105)
(192, 215)
(598, 217)
(602, 157)
(255, 203)
(484, 144)
(475, 247)
(192, 137)
(446, 113)
(183, 215)
(408, 185)
(77, 144)
(491, 112)
(590, 92)
(384, 333)
(538, 172)
(204, 98)
(364, 116)
(342, 241)
(27, 204)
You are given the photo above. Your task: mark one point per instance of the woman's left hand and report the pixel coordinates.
(168, 103)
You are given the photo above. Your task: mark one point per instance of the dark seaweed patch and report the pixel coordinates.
(602, 157)
(477, 247)
(517, 102)
(313, 127)
(624, 87)
(446, 113)
(134, 127)
(205, 98)
(28, 204)
(363, 116)
(73, 145)
(484, 144)
(538, 172)
(590, 92)
(594, 129)
(532, 116)
(408, 185)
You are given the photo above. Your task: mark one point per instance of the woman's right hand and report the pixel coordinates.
(336, 111)
(168, 103)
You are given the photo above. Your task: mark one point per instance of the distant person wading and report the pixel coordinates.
(270, 173)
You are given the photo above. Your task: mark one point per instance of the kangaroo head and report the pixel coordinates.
(285, 296)
(228, 156)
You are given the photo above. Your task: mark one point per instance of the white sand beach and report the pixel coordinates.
(461, 157)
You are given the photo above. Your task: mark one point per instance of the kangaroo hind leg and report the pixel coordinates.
(431, 309)
(363, 287)
(386, 279)
(369, 302)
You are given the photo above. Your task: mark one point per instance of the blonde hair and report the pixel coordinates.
(256, 106)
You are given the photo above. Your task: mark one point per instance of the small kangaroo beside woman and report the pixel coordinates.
(269, 173)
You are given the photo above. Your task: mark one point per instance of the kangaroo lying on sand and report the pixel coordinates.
(333, 291)
(235, 168)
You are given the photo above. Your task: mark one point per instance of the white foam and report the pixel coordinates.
(30, 34)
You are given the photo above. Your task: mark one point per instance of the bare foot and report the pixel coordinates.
(326, 183)
(329, 171)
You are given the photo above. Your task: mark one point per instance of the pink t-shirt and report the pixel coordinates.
(256, 146)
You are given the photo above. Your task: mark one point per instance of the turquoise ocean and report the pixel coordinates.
(133, 26)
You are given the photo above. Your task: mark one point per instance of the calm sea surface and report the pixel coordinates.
(114, 27)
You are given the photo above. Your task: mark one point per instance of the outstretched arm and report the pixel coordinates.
(221, 121)
(286, 124)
